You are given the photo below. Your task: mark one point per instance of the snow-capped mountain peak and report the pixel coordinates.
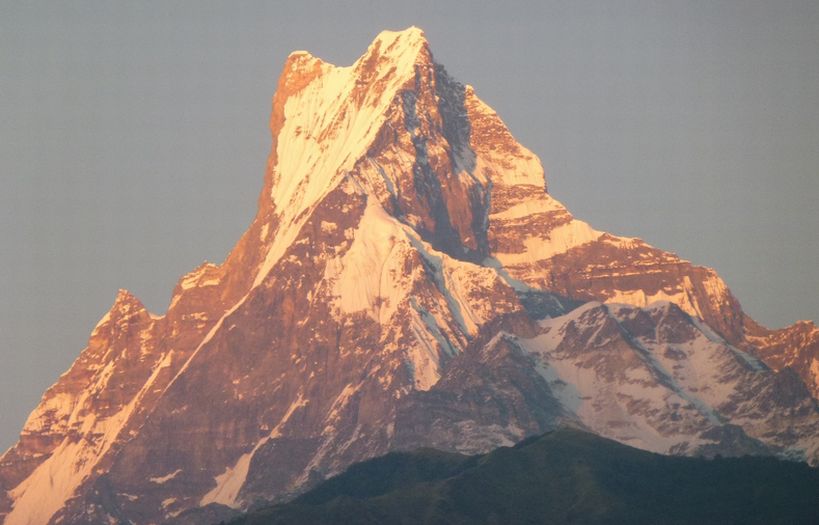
(407, 281)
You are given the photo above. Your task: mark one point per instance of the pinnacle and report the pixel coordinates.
(299, 58)
(387, 44)
(125, 300)
(410, 34)
(399, 46)
(124, 295)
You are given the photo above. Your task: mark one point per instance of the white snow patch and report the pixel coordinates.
(49, 486)
(230, 482)
(327, 129)
(341, 401)
(56, 479)
(542, 203)
(369, 277)
(683, 295)
(560, 240)
(454, 279)
(167, 477)
(604, 403)
(425, 358)
(198, 316)
(328, 227)
(202, 276)
(640, 299)
(212, 332)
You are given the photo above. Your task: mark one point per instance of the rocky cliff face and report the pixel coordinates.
(407, 281)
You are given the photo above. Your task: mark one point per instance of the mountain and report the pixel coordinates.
(565, 476)
(407, 281)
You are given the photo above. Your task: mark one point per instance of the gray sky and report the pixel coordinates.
(133, 139)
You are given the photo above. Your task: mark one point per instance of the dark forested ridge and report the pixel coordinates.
(565, 476)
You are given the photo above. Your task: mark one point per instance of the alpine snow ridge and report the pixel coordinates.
(407, 281)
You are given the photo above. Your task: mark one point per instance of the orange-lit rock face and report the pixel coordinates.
(795, 347)
(407, 281)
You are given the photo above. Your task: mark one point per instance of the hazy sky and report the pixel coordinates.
(133, 139)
